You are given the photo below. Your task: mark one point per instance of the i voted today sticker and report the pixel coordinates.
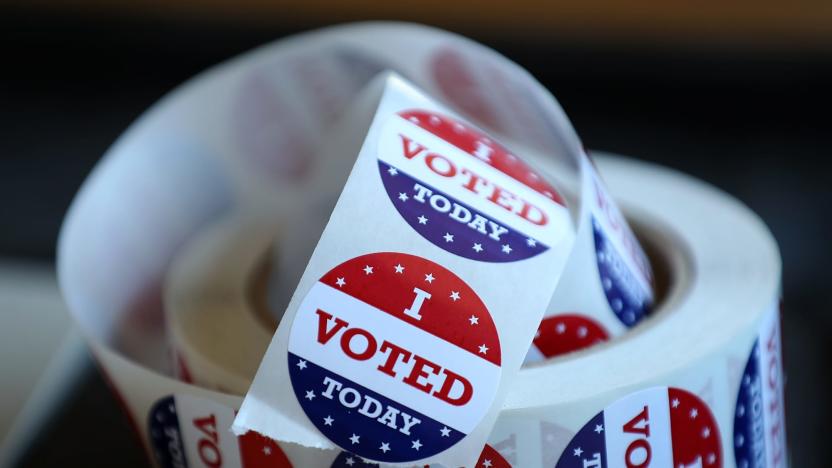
(657, 427)
(564, 333)
(393, 357)
(190, 432)
(759, 417)
(466, 193)
(623, 268)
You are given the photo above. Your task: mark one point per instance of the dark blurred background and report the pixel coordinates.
(736, 95)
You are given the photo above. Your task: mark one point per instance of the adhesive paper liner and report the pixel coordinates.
(173, 175)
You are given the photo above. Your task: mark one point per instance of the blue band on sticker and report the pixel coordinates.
(453, 225)
(351, 460)
(368, 423)
(166, 435)
(749, 426)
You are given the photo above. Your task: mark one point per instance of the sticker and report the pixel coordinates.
(384, 340)
(565, 333)
(490, 458)
(623, 268)
(657, 427)
(190, 432)
(466, 193)
(759, 417)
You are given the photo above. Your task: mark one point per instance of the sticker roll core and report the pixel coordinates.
(146, 261)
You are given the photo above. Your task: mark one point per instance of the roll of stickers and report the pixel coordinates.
(698, 382)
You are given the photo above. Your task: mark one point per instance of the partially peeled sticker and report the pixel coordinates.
(391, 348)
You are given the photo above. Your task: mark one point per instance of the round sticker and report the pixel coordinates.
(660, 426)
(190, 431)
(490, 458)
(561, 334)
(393, 357)
(466, 193)
(628, 299)
(759, 434)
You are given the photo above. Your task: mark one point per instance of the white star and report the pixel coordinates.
(507, 249)
(531, 242)
(582, 331)
(694, 413)
(354, 438)
(474, 320)
(711, 458)
(416, 444)
(454, 296)
(267, 450)
(414, 119)
(399, 268)
(340, 282)
(350, 461)
(429, 277)
(537, 334)
(434, 120)
(459, 128)
(392, 171)
(486, 463)
(368, 270)
(577, 452)
(560, 328)
(328, 421)
(403, 196)
(422, 219)
(385, 447)
(483, 349)
(598, 428)
(706, 432)
(448, 237)
(301, 364)
(675, 403)
(445, 431)
(477, 248)
(310, 395)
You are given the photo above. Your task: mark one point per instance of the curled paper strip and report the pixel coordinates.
(712, 332)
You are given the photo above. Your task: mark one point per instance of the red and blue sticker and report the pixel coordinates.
(759, 417)
(623, 268)
(564, 333)
(393, 357)
(660, 426)
(187, 431)
(466, 193)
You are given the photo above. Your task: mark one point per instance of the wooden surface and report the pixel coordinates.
(766, 23)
